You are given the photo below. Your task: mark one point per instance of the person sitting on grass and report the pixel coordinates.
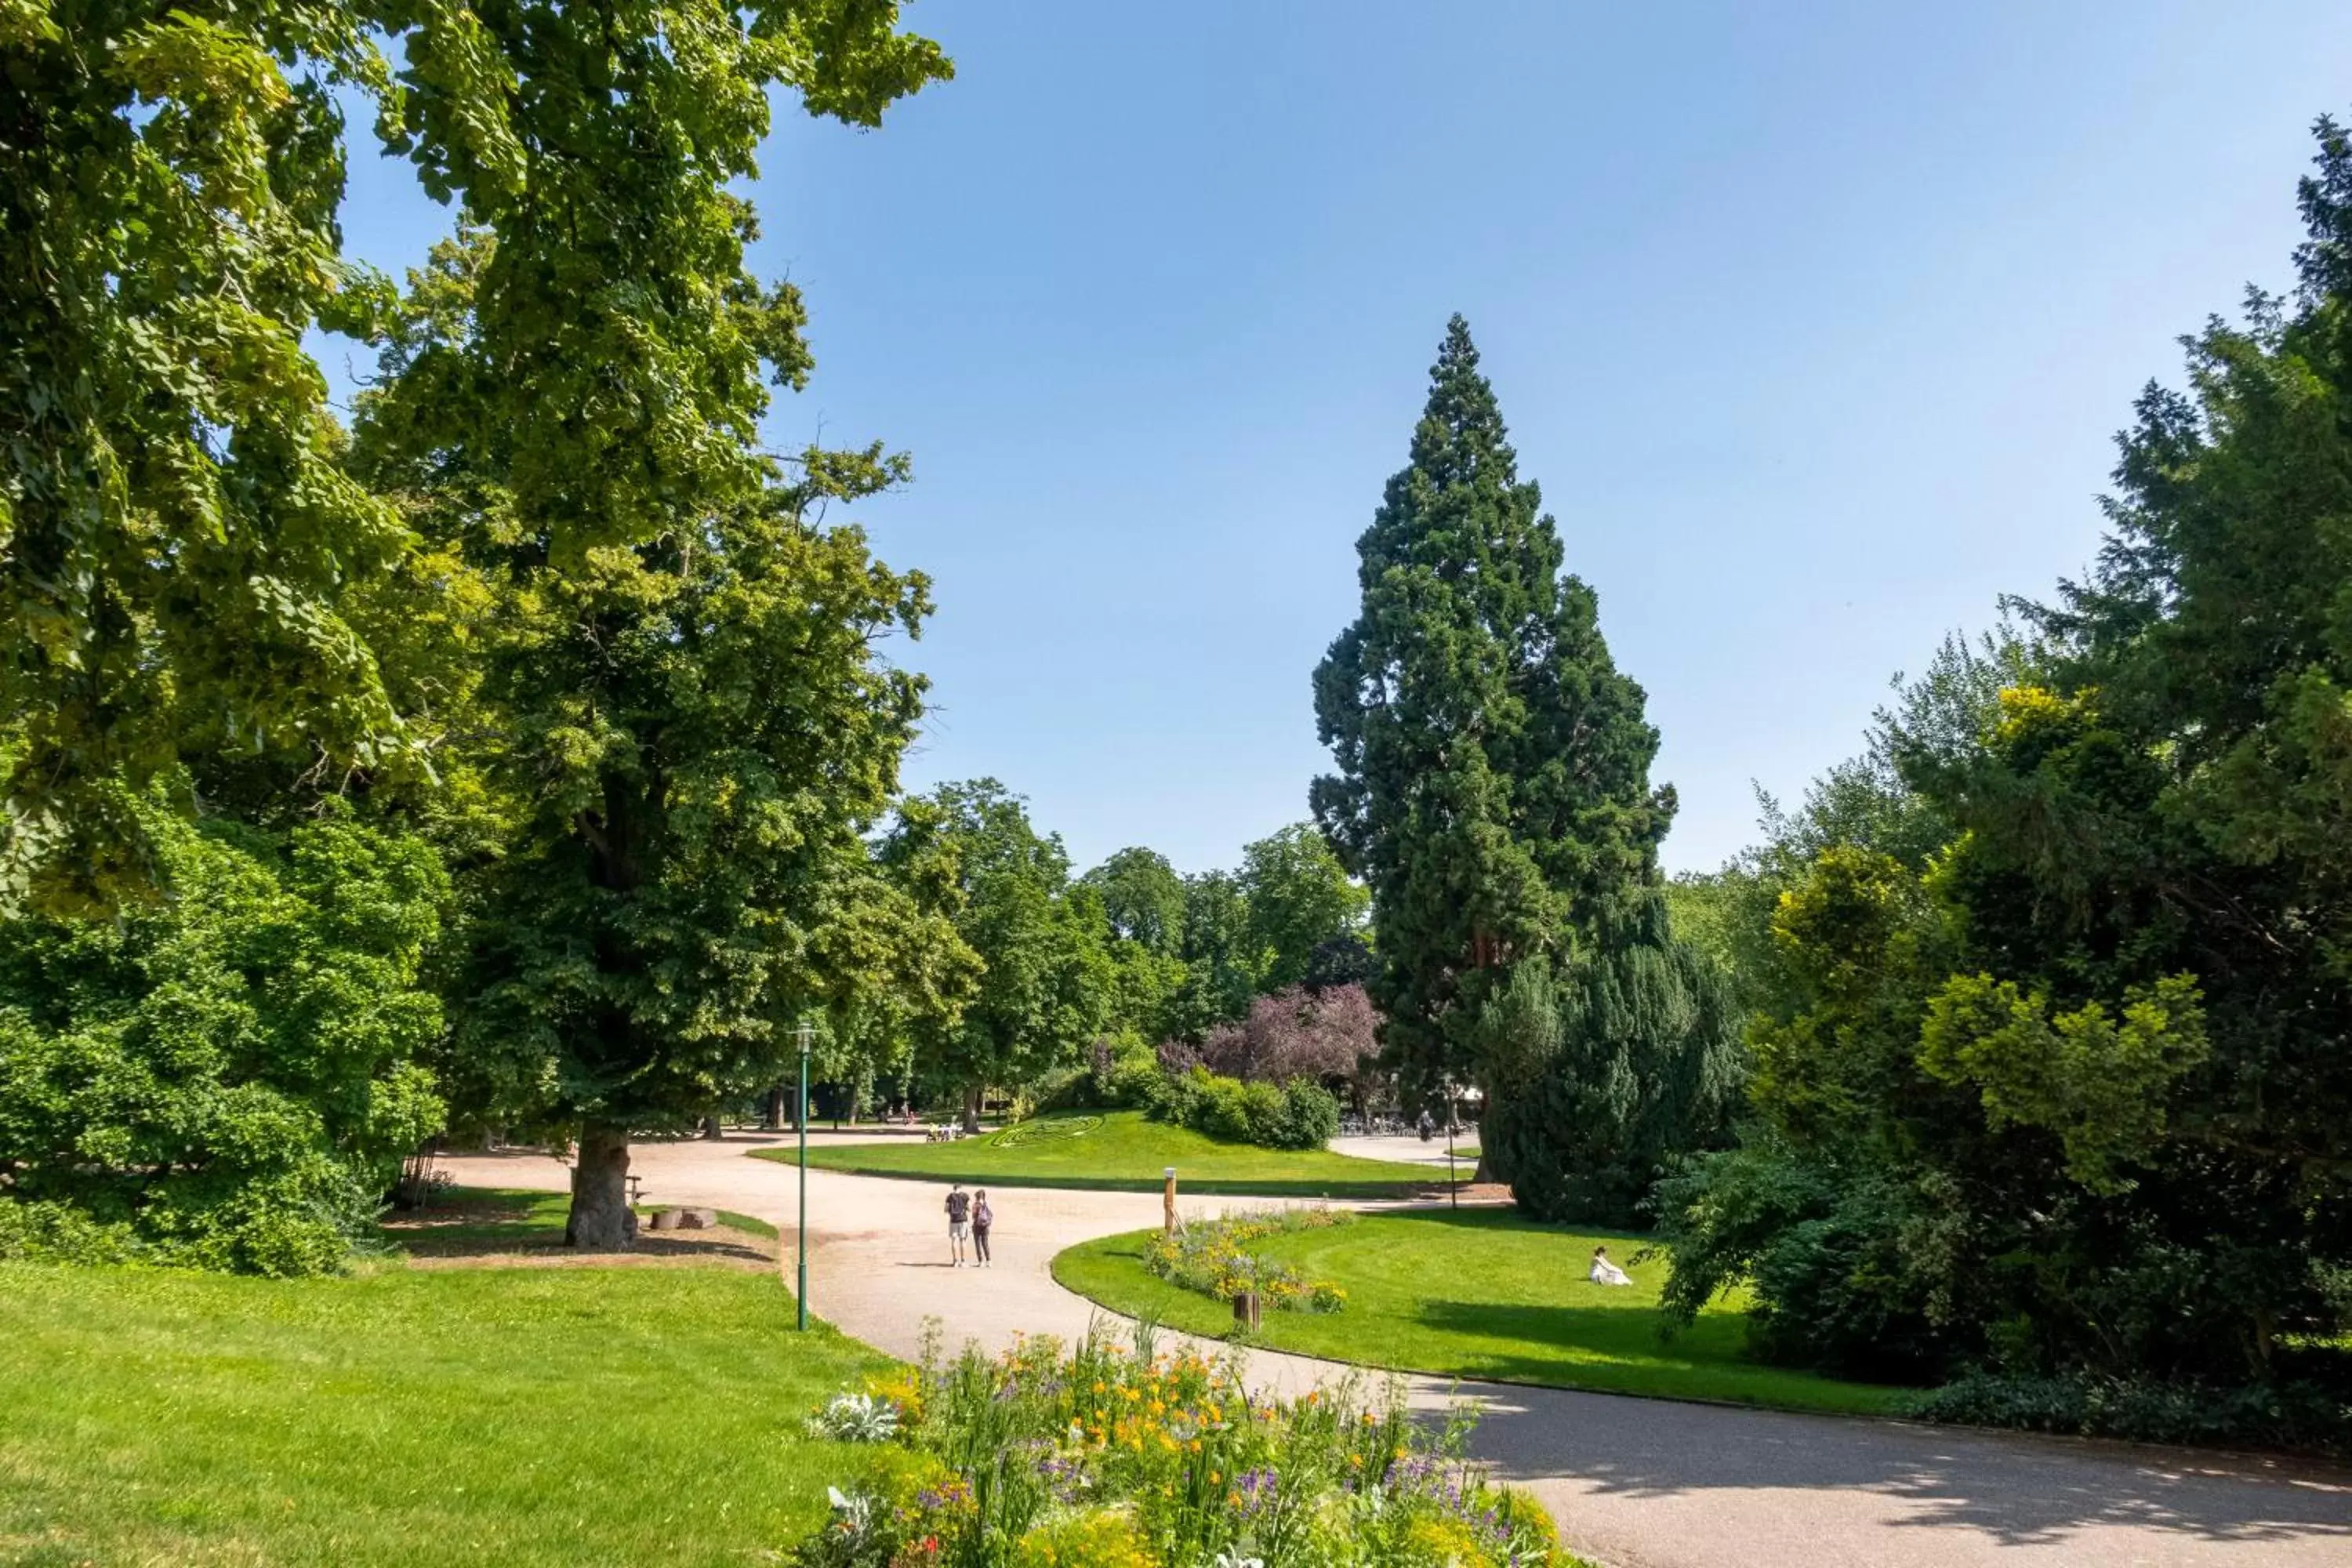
(1605, 1272)
(959, 1222)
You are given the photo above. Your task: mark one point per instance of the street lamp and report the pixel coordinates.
(1453, 1188)
(804, 1035)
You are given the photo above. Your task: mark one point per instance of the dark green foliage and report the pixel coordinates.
(2292, 1413)
(1605, 1073)
(228, 1077)
(1294, 1115)
(1493, 765)
(1836, 1259)
(2053, 987)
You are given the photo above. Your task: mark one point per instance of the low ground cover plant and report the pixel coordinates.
(1118, 1456)
(1218, 1258)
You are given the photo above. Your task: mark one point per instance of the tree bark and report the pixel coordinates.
(601, 1219)
(971, 1107)
(774, 1120)
(711, 1131)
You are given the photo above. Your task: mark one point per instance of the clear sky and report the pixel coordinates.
(1814, 321)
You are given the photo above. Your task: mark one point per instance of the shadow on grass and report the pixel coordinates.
(481, 1221)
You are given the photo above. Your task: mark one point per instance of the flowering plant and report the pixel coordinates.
(1215, 1258)
(1104, 1454)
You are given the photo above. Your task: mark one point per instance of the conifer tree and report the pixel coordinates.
(1493, 786)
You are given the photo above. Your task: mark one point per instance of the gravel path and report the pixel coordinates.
(1634, 1483)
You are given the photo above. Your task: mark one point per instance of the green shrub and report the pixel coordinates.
(2297, 1414)
(1296, 1115)
(227, 1079)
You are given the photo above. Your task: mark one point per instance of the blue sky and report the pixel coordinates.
(1814, 321)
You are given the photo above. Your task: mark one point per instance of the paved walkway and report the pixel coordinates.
(1634, 1483)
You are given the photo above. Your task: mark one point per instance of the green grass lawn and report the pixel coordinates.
(492, 1415)
(1480, 1293)
(1124, 1152)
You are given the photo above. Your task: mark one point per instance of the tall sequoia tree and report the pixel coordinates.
(1493, 785)
(686, 724)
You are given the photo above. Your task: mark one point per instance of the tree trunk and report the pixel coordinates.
(711, 1131)
(971, 1107)
(774, 1120)
(601, 1220)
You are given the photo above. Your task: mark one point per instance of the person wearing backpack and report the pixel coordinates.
(982, 1216)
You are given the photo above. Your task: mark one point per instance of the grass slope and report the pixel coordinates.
(476, 1416)
(1126, 1153)
(1480, 1293)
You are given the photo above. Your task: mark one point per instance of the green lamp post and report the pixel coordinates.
(800, 1294)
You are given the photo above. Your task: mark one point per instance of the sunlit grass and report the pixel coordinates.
(492, 1415)
(1128, 1153)
(1480, 1293)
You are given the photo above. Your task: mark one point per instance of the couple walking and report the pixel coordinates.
(968, 1217)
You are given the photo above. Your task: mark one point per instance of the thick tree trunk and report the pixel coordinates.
(971, 1107)
(774, 1120)
(711, 1131)
(601, 1220)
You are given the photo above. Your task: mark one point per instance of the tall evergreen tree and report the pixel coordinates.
(1493, 785)
(1606, 1070)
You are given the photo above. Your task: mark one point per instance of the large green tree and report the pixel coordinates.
(1299, 897)
(2067, 1094)
(176, 533)
(1493, 784)
(1048, 982)
(684, 722)
(1143, 902)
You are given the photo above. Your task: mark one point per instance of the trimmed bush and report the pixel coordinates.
(1295, 1115)
(2301, 1414)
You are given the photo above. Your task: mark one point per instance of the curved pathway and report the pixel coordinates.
(1634, 1483)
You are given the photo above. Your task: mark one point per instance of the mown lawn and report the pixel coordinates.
(493, 1416)
(1123, 1152)
(1481, 1293)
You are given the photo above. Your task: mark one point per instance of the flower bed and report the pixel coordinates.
(1212, 1257)
(1109, 1458)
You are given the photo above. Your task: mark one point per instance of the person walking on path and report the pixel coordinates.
(959, 1222)
(982, 1216)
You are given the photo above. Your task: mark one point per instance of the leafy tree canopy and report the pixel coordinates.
(1299, 896)
(1046, 985)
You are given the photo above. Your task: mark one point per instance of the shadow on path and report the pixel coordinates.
(2021, 1491)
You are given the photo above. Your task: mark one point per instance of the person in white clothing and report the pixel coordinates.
(1605, 1272)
